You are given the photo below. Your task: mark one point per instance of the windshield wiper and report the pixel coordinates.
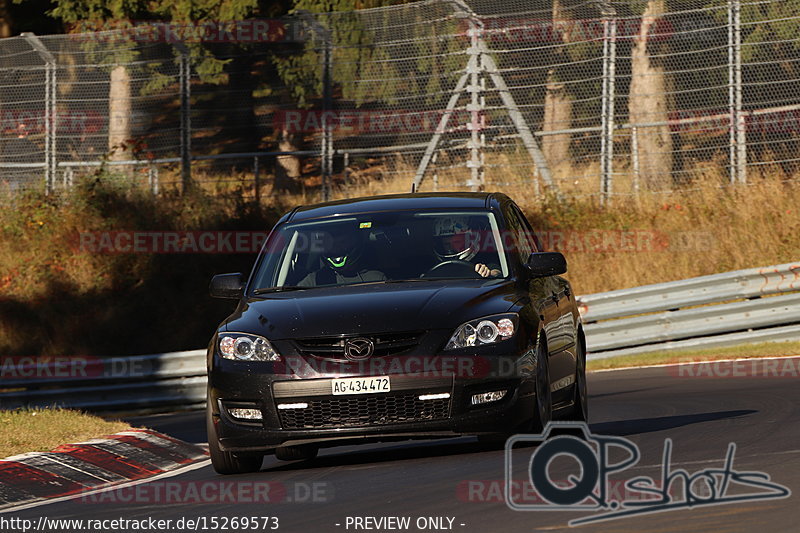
(267, 290)
(408, 280)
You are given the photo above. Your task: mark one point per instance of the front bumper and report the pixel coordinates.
(263, 392)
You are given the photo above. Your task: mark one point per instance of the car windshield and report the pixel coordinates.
(383, 247)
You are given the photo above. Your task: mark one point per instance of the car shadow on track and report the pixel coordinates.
(405, 451)
(648, 425)
(430, 449)
(593, 396)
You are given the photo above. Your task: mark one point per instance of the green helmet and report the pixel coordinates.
(345, 251)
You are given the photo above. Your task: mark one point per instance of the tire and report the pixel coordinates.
(229, 462)
(543, 412)
(580, 410)
(296, 453)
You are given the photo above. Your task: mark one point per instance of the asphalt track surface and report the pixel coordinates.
(432, 478)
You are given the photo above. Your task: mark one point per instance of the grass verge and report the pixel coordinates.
(767, 349)
(41, 430)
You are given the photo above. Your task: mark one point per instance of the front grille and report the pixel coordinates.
(367, 410)
(385, 344)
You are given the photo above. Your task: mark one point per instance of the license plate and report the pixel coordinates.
(360, 385)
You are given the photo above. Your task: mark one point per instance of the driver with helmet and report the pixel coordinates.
(341, 263)
(454, 241)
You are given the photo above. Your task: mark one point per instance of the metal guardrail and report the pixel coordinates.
(749, 283)
(752, 305)
(137, 384)
(744, 306)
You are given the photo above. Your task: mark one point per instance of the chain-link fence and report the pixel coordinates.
(580, 97)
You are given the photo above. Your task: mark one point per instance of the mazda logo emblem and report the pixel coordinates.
(358, 349)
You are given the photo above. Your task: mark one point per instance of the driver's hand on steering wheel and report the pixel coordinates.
(485, 271)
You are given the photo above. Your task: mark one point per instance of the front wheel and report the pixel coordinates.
(229, 462)
(580, 410)
(543, 413)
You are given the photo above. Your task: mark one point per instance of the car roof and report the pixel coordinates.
(399, 202)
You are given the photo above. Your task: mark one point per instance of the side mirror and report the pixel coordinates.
(542, 264)
(226, 286)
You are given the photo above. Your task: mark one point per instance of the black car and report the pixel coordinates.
(393, 317)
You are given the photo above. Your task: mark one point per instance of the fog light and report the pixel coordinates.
(299, 405)
(441, 396)
(245, 414)
(488, 397)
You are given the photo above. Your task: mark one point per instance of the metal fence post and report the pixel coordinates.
(741, 141)
(607, 114)
(635, 157)
(475, 108)
(257, 181)
(186, 120)
(737, 142)
(434, 159)
(327, 107)
(152, 177)
(49, 109)
(326, 149)
(732, 119)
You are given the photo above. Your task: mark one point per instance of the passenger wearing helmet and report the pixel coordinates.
(455, 240)
(342, 263)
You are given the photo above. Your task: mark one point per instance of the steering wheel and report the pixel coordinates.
(453, 268)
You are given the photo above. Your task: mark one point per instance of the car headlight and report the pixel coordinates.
(481, 331)
(244, 347)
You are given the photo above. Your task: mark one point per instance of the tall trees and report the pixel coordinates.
(647, 101)
(557, 101)
(353, 57)
(5, 19)
(97, 13)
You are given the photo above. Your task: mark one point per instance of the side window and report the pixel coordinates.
(518, 233)
(528, 233)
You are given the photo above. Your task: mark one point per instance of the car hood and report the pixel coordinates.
(372, 308)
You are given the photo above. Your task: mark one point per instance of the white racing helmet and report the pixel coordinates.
(452, 239)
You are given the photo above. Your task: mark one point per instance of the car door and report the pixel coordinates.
(540, 291)
(555, 291)
(562, 292)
